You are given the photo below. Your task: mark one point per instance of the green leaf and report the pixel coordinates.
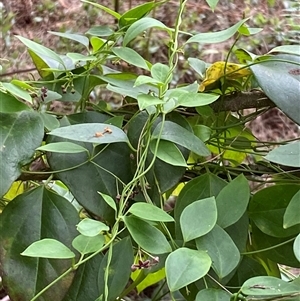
(144, 79)
(72, 36)
(10, 104)
(137, 13)
(50, 121)
(100, 31)
(218, 36)
(109, 201)
(131, 57)
(87, 244)
(106, 9)
(20, 134)
(150, 212)
(290, 49)
(90, 227)
(281, 255)
(198, 65)
(17, 91)
(85, 284)
(48, 248)
(205, 186)
(213, 294)
(119, 269)
(98, 133)
(288, 154)
(232, 201)
(146, 100)
(283, 68)
(185, 266)
(296, 247)
(198, 218)
(42, 51)
(268, 206)
(220, 247)
(177, 134)
(147, 236)
(190, 99)
(291, 216)
(62, 147)
(105, 173)
(268, 286)
(78, 57)
(212, 4)
(140, 26)
(32, 216)
(160, 72)
(169, 153)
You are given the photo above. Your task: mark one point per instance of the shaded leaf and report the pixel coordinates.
(291, 216)
(220, 247)
(20, 134)
(267, 209)
(10, 104)
(32, 216)
(119, 269)
(212, 294)
(85, 284)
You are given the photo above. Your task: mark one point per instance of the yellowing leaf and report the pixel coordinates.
(15, 189)
(149, 280)
(217, 70)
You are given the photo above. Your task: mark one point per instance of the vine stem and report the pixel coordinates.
(270, 248)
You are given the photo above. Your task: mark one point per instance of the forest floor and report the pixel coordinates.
(74, 16)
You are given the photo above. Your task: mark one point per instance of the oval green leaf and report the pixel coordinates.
(291, 216)
(198, 218)
(213, 294)
(220, 247)
(150, 212)
(288, 154)
(62, 147)
(90, 227)
(185, 266)
(87, 244)
(48, 248)
(98, 133)
(147, 236)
